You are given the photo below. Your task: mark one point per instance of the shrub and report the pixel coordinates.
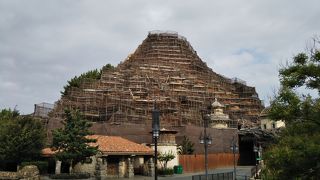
(70, 176)
(42, 165)
(166, 171)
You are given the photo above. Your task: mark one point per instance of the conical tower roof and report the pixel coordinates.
(216, 104)
(167, 69)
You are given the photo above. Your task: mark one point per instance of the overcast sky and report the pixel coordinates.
(45, 43)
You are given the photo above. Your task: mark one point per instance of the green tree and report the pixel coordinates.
(296, 153)
(70, 142)
(21, 137)
(164, 158)
(186, 146)
(77, 80)
(8, 114)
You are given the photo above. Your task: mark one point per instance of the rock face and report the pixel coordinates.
(164, 69)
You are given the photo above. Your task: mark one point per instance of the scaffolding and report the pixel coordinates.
(164, 69)
(42, 109)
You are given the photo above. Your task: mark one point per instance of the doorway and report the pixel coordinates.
(247, 156)
(113, 166)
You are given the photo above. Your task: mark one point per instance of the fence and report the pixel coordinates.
(217, 176)
(195, 163)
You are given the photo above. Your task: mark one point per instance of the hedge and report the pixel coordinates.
(70, 176)
(167, 171)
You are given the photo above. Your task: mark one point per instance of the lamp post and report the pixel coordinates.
(155, 136)
(257, 151)
(234, 149)
(206, 140)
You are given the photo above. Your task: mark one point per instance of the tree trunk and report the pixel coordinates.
(71, 168)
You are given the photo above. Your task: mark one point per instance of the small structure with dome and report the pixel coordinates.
(218, 119)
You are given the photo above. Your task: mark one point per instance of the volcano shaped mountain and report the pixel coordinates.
(164, 69)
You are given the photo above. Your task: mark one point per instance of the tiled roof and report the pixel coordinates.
(113, 145)
(119, 145)
(47, 152)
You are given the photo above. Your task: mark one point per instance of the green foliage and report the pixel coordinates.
(303, 71)
(296, 153)
(186, 147)
(164, 158)
(70, 176)
(71, 142)
(166, 171)
(42, 165)
(77, 80)
(107, 67)
(288, 106)
(8, 114)
(21, 138)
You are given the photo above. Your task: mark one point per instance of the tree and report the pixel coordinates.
(77, 80)
(71, 142)
(186, 147)
(164, 158)
(8, 114)
(296, 153)
(21, 137)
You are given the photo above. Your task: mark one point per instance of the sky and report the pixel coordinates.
(45, 43)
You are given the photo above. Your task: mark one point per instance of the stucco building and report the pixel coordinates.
(267, 124)
(118, 157)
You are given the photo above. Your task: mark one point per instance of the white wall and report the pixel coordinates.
(267, 124)
(165, 148)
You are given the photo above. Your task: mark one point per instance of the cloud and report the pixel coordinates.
(45, 43)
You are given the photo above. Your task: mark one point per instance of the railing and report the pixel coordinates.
(216, 176)
(255, 170)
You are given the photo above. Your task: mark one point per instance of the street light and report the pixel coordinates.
(234, 149)
(257, 152)
(155, 136)
(206, 140)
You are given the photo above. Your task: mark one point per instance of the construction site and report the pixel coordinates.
(164, 70)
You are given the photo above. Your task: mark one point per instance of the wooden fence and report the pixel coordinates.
(195, 162)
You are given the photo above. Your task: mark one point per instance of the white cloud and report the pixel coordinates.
(45, 43)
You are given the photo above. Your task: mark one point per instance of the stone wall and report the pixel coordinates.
(8, 175)
(101, 168)
(26, 173)
(86, 167)
(129, 170)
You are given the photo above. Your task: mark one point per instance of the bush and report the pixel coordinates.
(166, 171)
(70, 176)
(42, 165)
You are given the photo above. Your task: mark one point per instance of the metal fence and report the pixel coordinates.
(216, 176)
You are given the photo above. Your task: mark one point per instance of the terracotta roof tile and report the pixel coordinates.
(114, 145)
(47, 152)
(119, 145)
